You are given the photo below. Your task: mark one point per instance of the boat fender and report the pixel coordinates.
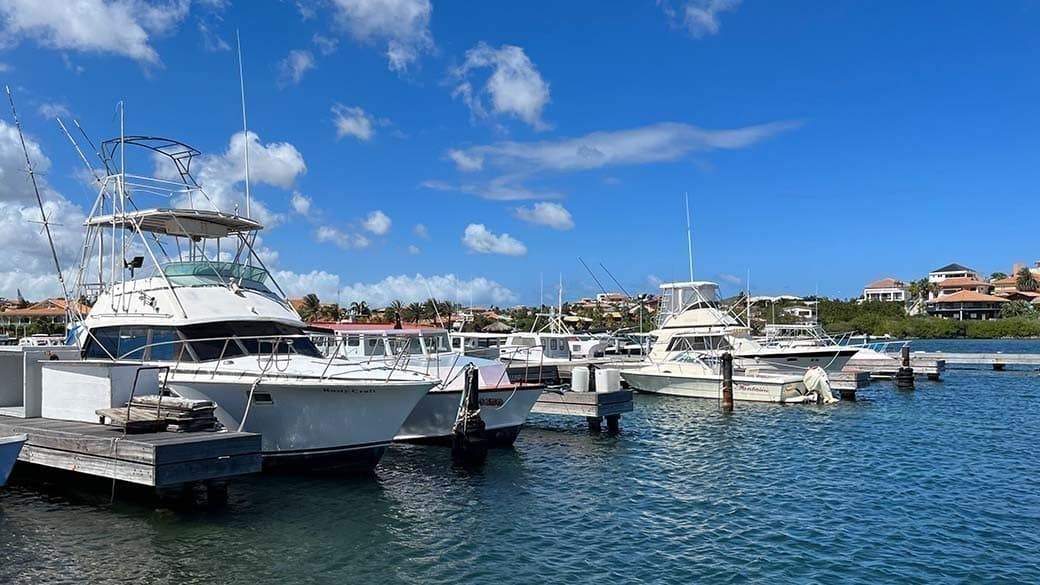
(816, 380)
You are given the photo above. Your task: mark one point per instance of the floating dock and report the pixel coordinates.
(594, 406)
(159, 460)
(884, 368)
(998, 360)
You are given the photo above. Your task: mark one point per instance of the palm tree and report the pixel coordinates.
(415, 311)
(1025, 280)
(393, 311)
(310, 308)
(997, 276)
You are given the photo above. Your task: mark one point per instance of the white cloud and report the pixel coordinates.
(479, 239)
(325, 45)
(410, 289)
(301, 204)
(53, 110)
(413, 249)
(342, 239)
(4, 67)
(403, 25)
(407, 289)
(211, 41)
(353, 121)
(504, 188)
(27, 259)
(421, 231)
(118, 27)
(377, 222)
(515, 86)
(466, 162)
(730, 279)
(662, 142)
(544, 213)
(611, 181)
(222, 176)
(292, 68)
(700, 18)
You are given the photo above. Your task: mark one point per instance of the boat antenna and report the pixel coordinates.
(245, 127)
(689, 235)
(593, 275)
(615, 280)
(39, 201)
(433, 301)
(747, 297)
(82, 157)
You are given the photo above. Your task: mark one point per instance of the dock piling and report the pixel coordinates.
(905, 375)
(727, 382)
(468, 445)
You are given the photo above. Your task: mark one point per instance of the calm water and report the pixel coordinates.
(935, 485)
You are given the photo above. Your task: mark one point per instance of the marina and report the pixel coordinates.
(461, 293)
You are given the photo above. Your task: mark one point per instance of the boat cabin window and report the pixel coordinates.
(202, 273)
(523, 341)
(205, 342)
(437, 343)
(456, 343)
(698, 343)
(374, 346)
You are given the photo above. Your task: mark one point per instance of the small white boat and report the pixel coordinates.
(10, 447)
(687, 375)
(504, 404)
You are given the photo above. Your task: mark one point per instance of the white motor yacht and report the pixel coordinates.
(183, 288)
(692, 319)
(504, 405)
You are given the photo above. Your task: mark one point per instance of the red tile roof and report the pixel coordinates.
(962, 282)
(968, 296)
(886, 283)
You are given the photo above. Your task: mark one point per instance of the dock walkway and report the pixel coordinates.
(998, 360)
(160, 460)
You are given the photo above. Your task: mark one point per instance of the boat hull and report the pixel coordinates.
(503, 411)
(798, 359)
(312, 425)
(702, 386)
(10, 447)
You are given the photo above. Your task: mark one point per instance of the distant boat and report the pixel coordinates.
(10, 447)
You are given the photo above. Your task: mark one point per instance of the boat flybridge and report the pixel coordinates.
(504, 405)
(691, 319)
(554, 344)
(182, 288)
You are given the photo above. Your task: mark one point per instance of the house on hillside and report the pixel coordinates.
(952, 271)
(886, 290)
(966, 304)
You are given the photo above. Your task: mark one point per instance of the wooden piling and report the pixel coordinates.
(905, 375)
(727, 382)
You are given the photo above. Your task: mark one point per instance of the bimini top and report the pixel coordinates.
(193, 223)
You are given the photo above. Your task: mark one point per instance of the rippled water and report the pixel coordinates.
(934, 485)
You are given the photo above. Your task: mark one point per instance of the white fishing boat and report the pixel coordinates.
(504, 405)
(183, 288)
(692, 319)
(10, 447)
(689, 376)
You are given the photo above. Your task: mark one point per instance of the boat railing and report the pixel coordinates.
(271, 356)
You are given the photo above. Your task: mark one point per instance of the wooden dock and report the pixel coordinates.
(160, 460)
(884, 368)
(997, 360)
(594, 406)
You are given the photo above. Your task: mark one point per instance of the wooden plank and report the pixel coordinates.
(216, 468)
(219, 445)
(90, 464)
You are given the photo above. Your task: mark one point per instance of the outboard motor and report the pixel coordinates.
(816, 380)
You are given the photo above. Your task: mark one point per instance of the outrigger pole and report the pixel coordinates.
(39, 201)
(245, 127)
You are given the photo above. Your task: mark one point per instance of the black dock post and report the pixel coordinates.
(468, 445)
(905, 375)
(727, 382)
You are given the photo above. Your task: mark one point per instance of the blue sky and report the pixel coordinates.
(823, 145)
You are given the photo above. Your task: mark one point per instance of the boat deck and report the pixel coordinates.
(594, 406)
(163, 459)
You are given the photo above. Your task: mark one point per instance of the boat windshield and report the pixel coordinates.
(203, 342)
(201, 273)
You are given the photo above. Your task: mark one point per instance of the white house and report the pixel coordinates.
(886, 290)
(953, 271)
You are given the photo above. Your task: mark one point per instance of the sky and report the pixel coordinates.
(476, 150)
